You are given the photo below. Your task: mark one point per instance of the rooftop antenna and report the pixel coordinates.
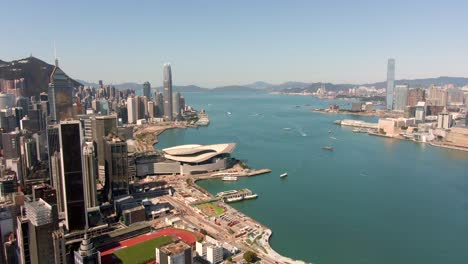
(55, 55)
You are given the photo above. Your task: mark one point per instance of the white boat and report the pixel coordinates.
(286, 128)
(229, 178)
(284, 175)
(251, 196)
(228, 113)
(234, 199)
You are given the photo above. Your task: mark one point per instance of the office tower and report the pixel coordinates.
(147, 90)
(116, 166)
(87, 125)
(42, 221)
(182, 103)
(122, 114)
(87, 254)
(159, 104)
(11, 145)
(7, 100)
(30, 153)
(58, 240)
(100, 84)
(72, 175)
(415, 95)
(151, 109)
(176, 252)
(102, 126)
(104, 107)
(420, 114)
(60, 95)
(90, 174)
(131, 110)
(23, 102)
(45, 192)
(142, 107)
(390, 83)
(167, 83)
(401, 97)
(176, 105)
(8, 186)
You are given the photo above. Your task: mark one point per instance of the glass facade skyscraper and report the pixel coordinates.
(390, 83)
(60, 95)
(401, 97)
(167, 83)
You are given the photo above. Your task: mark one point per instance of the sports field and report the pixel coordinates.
(141, 253)
(211, 209)
(142, 248)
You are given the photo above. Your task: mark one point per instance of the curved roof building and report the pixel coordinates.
(198, 153)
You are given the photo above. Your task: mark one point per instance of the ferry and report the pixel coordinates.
(330, 148)
(284, 175)
(229, 178)
(221, 194)
(234, 199)
(251, 196)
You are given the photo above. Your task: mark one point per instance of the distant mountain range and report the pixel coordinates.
(37, 74)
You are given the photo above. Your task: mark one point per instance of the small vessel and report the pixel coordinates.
(356, 130)
(334, 138)
(234, 199)
(251, 196)
(286, 128)
(228, 113)
(229, 178)
(330, 148)
(284, 175)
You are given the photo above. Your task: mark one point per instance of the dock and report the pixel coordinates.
(256, 172)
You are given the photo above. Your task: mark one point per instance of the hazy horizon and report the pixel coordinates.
(212, 43)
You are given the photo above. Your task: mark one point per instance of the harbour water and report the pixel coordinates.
(370, 200)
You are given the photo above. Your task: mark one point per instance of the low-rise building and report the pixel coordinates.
(175, 253)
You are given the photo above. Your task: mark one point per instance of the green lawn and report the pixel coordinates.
(143, 252)
(211, 209)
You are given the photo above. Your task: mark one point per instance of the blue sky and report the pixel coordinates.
(212, 43)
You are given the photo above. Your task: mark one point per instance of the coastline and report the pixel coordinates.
(271, 256)
(265, 240)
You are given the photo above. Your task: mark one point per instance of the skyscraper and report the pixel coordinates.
(72, 175)
(116, 166)
(60, 95)
(401, 97)
(147, 90)
(390, 83)
(159, 104)
(42, 219)
(167, 83)
(415, 95)
(87, 254)
(176, 105)
(90, 173)
(131, 110)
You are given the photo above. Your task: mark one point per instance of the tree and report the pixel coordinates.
(204, 232)
(250, 256)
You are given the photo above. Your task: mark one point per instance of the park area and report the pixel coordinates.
(141, 249)
(210, 209)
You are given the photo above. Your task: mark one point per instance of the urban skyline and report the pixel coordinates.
(341, 43)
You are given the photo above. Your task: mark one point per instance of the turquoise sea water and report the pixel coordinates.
(371, 200)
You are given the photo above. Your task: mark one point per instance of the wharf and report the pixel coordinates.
(251, 173)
